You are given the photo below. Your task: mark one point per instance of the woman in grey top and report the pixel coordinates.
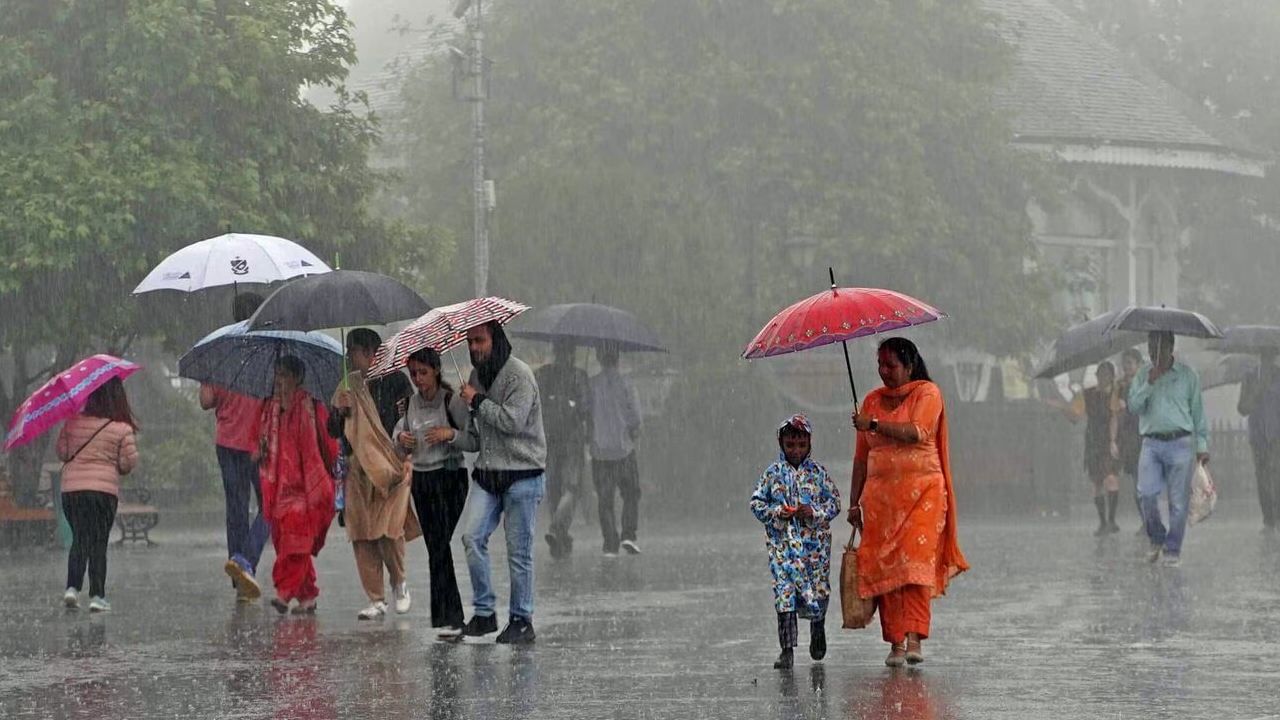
(434, 432)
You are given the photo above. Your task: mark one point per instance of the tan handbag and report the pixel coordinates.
(856, 611)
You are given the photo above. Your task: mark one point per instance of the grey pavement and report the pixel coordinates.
(1051, 622)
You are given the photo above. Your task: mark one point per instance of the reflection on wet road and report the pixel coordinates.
(1051, 622)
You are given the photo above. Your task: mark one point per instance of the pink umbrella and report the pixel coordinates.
(63, 396)
(441, 329)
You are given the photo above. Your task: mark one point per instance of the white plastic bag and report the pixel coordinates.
(1204, 495)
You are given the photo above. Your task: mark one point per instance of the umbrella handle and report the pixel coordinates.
(848, 366)
(461, 380)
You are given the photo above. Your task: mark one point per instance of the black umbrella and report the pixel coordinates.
(1165, 319)
(1249, 339)
(1088, 343)
(338, 299)
(591, 325)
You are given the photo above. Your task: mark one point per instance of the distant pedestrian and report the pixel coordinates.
(377, 488)
(1175, 437)
(796, 500)
(1260, 403)
(1126, 437)
(236, 417)
(510, 477)
(434, 432)
(295, 458)
(97, 446)
(615, 423)
(566, 413)
(902, 500)
(1099, 407)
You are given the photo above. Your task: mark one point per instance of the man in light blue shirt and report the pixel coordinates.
(1165, 396)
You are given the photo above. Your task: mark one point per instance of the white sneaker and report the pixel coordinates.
(374, 611)
(99, 605)
(403, 601)
(70, 599)
(610, 554)
(631, 547)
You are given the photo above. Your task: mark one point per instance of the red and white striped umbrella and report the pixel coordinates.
(441, 329)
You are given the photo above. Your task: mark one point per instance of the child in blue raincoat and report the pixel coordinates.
(796, 501)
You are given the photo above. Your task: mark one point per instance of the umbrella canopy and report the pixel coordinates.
(1229, 370)
(63, 396)
(238, 359)
(342, 298)
(1250, 339)
(1088, 343)
(589, 324)
(441, 329)
(1165, 319)
(837, 315)
(234, 258)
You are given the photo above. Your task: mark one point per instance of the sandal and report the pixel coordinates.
(897, 656)
(915, 655)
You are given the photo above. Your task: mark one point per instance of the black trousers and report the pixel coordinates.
(90, 515)
(623, 478)
(565, 465)
(439, 496)
(1267, 468)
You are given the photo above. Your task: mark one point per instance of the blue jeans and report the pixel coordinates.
(520, 503)
(245, 540)
(1166, 465)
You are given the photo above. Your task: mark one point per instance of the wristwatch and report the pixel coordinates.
(874, 425)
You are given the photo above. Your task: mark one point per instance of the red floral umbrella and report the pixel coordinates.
(838, 315)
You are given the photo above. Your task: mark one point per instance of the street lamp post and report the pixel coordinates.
(481, 189)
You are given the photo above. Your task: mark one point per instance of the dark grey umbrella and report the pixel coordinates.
(1165, 319)
(1229, 370)
(591, 325)
(237, 359)
(1249, 339)
(338, 299)
(1088, 343)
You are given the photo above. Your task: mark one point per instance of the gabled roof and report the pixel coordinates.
(1074, 93)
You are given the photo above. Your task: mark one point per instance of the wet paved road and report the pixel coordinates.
(1050, 623)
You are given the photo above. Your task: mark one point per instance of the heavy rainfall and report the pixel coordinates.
(639, 359)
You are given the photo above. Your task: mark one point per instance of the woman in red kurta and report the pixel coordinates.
(297, 487)
(903, 501)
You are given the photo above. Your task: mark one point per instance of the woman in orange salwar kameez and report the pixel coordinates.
(903, 501)
(297, 487)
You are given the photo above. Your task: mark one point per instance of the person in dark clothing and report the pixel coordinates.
(1260, 403)
(1097, 406)
(1125, 436)
(566, 414)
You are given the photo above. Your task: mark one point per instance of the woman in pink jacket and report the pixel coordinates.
(98, 447)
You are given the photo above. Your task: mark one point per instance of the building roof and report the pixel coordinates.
(1075, 94)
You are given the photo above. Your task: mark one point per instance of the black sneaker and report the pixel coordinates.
(518, 632)
(480, 625)
(817, 640)
(785, 660)
(553, 542)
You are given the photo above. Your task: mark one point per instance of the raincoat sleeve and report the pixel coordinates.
(1198, 421)
(763, 504)
(1140, 391)
(827, 505)
(509, 414)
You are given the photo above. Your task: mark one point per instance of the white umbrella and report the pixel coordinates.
(229, 260)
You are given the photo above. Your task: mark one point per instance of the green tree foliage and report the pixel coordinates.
(130, 129)
(1224, 56)
(659, 155)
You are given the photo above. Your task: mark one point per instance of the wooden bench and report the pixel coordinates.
(17, 521)
(135, 515)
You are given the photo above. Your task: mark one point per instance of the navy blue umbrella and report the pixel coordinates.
(242, 360)
(591, 325)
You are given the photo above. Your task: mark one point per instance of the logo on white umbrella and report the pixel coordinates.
(239, 266)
